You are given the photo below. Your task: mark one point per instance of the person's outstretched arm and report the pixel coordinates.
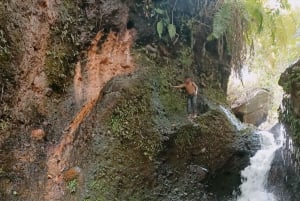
(179, 86)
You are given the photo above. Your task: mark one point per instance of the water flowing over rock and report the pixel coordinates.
(255, 175)
(284, 174)
(285, 170)
(227, 179)
(253, 107)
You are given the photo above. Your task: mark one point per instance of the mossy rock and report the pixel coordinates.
(289, 118)
(132, 121)
(207, 141)
(290, 77)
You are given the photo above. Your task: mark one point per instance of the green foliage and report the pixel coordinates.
(160, 28)
(4, 47)
(164, 23)
(241, 22)
(172, 100)
(4, 125)
(271, 59)
(222, 20)
(215, 95)
(59, 66)
(186, 57)
(2, 172)
(172, 30)
(289, 79)
(230, 23)
(72, 185)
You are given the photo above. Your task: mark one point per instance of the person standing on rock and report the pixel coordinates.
(192, 90)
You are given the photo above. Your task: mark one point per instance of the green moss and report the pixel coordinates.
(63, 48)
(120, 174)
(290, 78)
(172, 100)
(290, 81)
(7, 74)
(186, 57)
(72, 185)
(132, 123)
(216, 95)
(186, 136)
(151, 100)
(60, 66)
(288, 116)
(208, 124)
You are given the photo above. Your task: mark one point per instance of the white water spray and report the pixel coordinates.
(255, 175)
(237, 123)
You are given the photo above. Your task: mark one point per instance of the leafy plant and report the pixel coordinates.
(165, 23)
(237, 24)
(3, 125)
(4, 49)
(72, 185)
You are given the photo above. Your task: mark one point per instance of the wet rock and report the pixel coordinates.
(38, 134)
(227, 179)
(198, 171)
(253, 108)
(290, 82)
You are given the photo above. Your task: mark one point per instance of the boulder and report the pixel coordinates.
(253, 107)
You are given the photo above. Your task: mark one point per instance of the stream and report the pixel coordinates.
(255, 176)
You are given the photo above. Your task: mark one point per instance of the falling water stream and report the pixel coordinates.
(237, 123)
(254, 177)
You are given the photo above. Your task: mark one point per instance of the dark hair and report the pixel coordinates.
(187, 80)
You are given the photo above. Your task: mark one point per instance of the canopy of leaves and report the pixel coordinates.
(239, 22)
(276, 47)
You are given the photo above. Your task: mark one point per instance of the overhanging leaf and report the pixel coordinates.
(160, 28)
(172, 30)
(159, 11)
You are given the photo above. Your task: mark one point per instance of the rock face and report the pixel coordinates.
(284, 174)
(253, 108)
(290, 82)
(119, 124)
(285, 170)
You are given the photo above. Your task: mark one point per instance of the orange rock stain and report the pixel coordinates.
(112, 59)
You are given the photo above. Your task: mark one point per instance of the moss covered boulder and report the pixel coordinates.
(290, 81)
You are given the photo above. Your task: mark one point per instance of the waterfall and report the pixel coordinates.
(234, 121)
(255, 175)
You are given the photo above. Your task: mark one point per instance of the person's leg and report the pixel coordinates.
(189, 105)
(194, 105)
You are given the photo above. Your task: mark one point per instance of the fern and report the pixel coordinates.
(222, 20)
(240, 21)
